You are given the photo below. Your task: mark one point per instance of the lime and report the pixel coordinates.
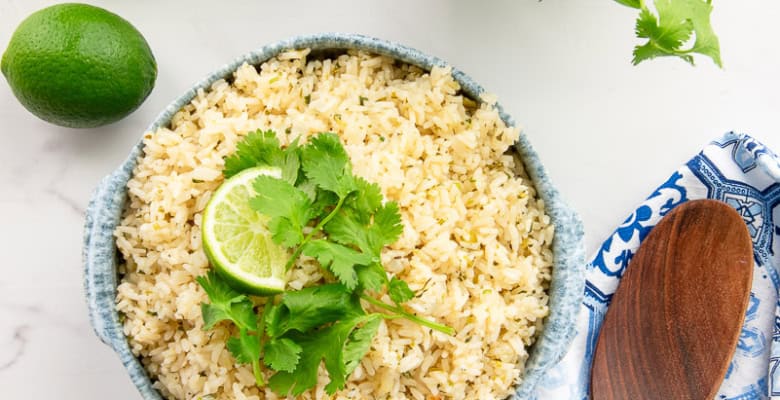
(236, 237)
(78, 66)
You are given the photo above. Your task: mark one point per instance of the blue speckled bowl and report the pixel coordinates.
(105, 208)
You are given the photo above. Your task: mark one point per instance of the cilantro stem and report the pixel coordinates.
(327, 218)
(401, 313)
(261, 321)
(316, 229)
(669, 51)
(258, 376)
(261, 337)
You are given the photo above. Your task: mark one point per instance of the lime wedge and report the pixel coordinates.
(236, 237)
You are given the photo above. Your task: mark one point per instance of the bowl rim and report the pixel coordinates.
(99, 252)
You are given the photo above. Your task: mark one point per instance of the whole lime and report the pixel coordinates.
(79, 66)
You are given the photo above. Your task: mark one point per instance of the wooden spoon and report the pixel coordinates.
(674, 321)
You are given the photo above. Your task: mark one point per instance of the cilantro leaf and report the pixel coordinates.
(706, 40)
(323, 201)
(283, 382)
(334, 357)
(246, 350)
(351, 227)
(278, 198)
(291, 164)
(226, 304)
(367, 198)
(676, 23)
(309, 188)
(282, 354)
(238, 312)
(304, 376)
(284, 233)
(261, 148)
(665, 34)
(305, 309)
(289, 208)
(371, 276)
(340, 260)
(387, 226)
(348, 228)
(399, 291)
(326, 164)
(314, 347)
(325, 345)
(669, 31)
(272, 321)
(630, 3)
(359, 342)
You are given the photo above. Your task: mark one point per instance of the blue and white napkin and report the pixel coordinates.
(735, 169)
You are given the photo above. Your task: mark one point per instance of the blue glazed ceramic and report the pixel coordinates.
(105, 208)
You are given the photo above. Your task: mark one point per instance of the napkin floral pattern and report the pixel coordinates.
(743, 173)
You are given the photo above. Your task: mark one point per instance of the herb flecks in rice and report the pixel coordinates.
(476, 243)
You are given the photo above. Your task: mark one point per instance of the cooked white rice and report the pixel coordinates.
(475, 246)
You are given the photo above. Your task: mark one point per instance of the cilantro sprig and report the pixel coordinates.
(230, 305)
(670, 31)
(318, 209)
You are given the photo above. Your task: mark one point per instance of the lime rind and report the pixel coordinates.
(236, 239)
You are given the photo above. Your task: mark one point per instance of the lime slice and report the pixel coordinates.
(236, 237)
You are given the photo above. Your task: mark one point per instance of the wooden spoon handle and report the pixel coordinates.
(674, 321)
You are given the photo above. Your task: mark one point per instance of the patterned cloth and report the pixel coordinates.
(741, 172)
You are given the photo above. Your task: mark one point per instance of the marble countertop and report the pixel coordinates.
(608, 132)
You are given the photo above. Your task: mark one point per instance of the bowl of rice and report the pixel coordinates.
(488, 245)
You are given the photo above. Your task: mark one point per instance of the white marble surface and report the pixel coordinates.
(607, 131)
